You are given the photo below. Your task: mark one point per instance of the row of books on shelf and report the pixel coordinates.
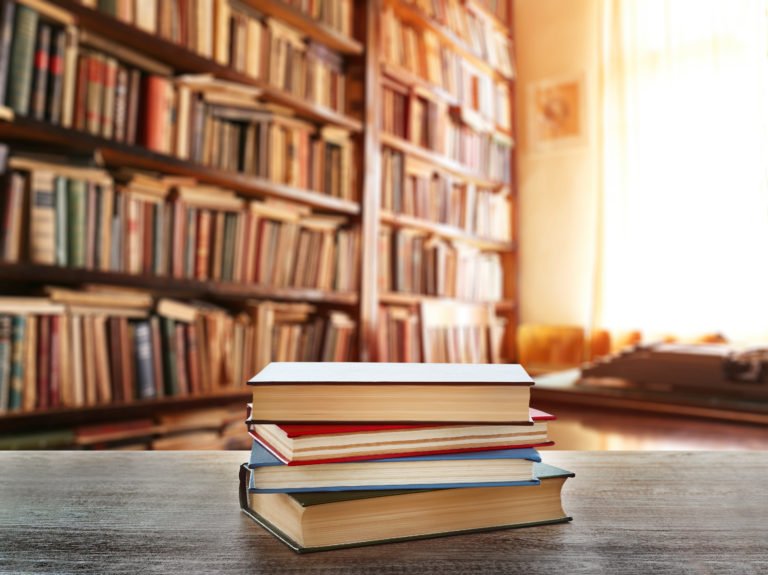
(431, 124)
(141, 223)
(484, 37)
(402, 337)
(100, 346)
(195, 23)
(420, 52)
(412, 261)
(53, 72)
(415, 188)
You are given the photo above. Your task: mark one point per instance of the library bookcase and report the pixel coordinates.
(213, 184)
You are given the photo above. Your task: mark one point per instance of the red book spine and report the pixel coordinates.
(41, 65)
(43, 362)
(81, 92)
(156, 111)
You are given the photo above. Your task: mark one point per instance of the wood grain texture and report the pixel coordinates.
(151, 512)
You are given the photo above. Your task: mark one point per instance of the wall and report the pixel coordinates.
(557, 187)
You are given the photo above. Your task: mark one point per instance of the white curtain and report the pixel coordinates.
(684, 140)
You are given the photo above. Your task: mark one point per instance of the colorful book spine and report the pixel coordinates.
(41, 71)
(19, 339)
(21, 68)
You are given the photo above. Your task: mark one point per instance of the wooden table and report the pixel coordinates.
(172, 512)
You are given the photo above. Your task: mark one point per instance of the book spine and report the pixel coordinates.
(19, 340)
(94, 93)
(6, 335)
(42, 219)
(76, 194)
(62, 220)
(145, 374)
(56, 81)
(181, 359)
(108, 111)
(6, 35)
(54, 349)
(157, 356)
(43, 362)
(22, 59)
(41, 69)
(121, 104)
(132, 111)
(169, 357)
(115, 355)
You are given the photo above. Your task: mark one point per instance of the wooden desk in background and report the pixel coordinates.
(171, 512)
(598, 419)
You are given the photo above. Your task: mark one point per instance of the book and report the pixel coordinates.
(309, 444)
(391, 392)
(330, 520)
(21, 64)
(494, 468)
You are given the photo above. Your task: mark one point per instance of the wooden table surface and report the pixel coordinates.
(172, 512)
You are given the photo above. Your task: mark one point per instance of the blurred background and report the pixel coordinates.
(193, 188)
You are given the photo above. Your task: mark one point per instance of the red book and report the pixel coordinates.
(81, 92)
(43, 361)
(308, 444)
(156, 112)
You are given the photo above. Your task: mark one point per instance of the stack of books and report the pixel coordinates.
(349, 454)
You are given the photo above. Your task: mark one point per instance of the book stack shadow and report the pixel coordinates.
(350, 454)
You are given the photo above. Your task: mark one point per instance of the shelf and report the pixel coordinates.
(115, 153)
(187, 62)
(445, 231)
(318, 31)
(439, 160)
(22, 273)
(414, 15)
(74, 416)
(413, 299)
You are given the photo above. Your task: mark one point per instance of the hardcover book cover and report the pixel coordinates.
(356, 475)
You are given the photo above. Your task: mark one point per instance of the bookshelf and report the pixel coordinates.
(343, 136)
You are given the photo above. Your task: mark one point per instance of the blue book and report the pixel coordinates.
(506, 467)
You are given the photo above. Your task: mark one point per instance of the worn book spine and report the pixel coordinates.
(91, 228)
(62, 219)
(101, 356)
(157, 356)
(41, 69)
(169, 357)
(43, 362)
(145, 373)
(127, 360)
(132, 110)
(54, 363)
(55, 98)
(95, 93)
(76, 208)
(6, 337)
(121, 104)
(156, 114)
(80, 101)
(108, 109)
(18, 343)
(202, 249)
(181, 359)
(115, 356)
(42, 219)
(6, 35)
(21, 67)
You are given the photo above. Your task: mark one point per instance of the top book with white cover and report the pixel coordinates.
(292, 392)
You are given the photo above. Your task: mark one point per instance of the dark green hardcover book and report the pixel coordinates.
(76, 204)
(6, 35)
(62, 221)
(15, 396)
(170, 372)
(308, 522)
(21, 66)
(5, 360)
